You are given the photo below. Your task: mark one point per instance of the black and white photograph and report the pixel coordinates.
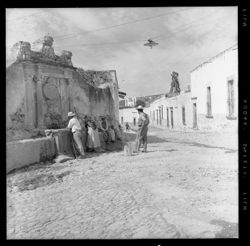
(122, 122)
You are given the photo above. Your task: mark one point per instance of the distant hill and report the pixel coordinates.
(147, 99)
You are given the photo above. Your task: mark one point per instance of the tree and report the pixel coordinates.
(140, 102)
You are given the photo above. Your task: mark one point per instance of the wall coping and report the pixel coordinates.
(28, 140)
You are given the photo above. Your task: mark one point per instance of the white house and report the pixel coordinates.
(173, 112)
(212, 102)
(130, 115)
(130, 101)
(214, 91)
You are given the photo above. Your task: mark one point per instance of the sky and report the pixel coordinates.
(114, 38)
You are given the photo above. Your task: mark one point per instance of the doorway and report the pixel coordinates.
(194, 116)
(183, 116)
(160, 115)
(167, 118)
(172, 117)
(209, 106)
(134, 121)
(157, 117)
(230, 98)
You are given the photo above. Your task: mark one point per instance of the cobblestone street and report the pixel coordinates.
(186, 186)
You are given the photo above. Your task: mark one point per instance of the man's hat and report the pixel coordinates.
(139, 107)
(71, 114)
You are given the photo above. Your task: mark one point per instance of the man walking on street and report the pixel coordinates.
(142, 132)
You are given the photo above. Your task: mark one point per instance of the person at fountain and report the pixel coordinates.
(112, 133)
(93, 142)
(143, 122)
(75, 127)
(118, 132)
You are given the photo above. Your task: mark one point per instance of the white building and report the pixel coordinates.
(211, 104)
(214, 91)
(130, 115)
(173, 112)
(130, 101)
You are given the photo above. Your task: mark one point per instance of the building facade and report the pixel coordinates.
(214, 90)
(130, 101)
(172, 113)
(42, 87)
(212, 102)
(130, 115)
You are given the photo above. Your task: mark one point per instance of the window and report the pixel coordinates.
(183, 116)
(157, 117)
(209, 104)
(160, 114)
(230, 100)
(195, 126)
(172, 117)
(167, 118)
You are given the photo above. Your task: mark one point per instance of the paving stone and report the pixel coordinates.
(113, 198)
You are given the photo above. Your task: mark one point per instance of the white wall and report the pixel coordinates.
(215, 74)
(177, 102)
(129, 114)
(130, 101)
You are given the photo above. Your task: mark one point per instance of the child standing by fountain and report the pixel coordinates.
(93, 142)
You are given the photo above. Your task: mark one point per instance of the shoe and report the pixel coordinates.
(81, 157)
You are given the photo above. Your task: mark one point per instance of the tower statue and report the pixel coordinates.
(47, 49)
(175, 86)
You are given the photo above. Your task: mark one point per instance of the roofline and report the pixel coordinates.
(219, 54)
(122, 93)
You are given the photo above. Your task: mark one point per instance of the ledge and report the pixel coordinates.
(231, 117)
(209, 116)
(29, 151)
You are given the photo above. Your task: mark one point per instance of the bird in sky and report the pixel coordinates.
(151, 43)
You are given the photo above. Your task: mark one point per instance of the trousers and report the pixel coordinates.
(141, 138)
(77, 136)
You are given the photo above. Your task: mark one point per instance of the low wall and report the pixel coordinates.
(63, 140)
(29, 151)
(218, 122)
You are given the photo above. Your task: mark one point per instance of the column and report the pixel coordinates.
(39, 97)
(30, 106)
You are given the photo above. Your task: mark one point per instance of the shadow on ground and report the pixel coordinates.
(163, 150)
(129, 137)
(37, 181)
(229, 230)
(195, 144)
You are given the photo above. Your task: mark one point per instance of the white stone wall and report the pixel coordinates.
(29, 151)
(35, 92)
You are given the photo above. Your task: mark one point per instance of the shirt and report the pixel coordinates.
(143, 120)
(74, 124)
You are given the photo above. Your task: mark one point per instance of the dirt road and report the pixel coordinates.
(186, 186)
